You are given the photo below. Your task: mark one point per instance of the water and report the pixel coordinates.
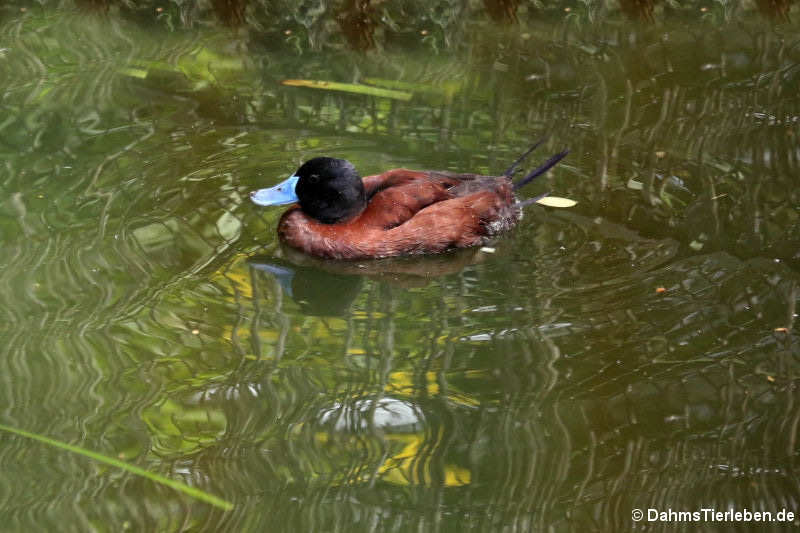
(637, 351)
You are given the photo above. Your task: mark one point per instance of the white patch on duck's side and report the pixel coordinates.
(504, 222)
(494, 227)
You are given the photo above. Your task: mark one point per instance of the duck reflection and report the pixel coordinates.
(317, 292)
(324, 287)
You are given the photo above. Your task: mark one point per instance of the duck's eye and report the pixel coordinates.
(313, 179)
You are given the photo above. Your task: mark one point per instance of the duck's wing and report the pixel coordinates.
(394, 197)
(453, 223)
(474, 208)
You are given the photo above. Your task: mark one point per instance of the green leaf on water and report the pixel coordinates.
(443, 89)
(556, 201)
(177, 485)
(133, 72)
(354, 88)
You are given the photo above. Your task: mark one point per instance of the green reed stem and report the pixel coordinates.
(177, 485)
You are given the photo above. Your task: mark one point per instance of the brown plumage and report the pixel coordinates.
(408, 213)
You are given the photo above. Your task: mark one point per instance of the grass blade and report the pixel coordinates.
(353, 88)
(177, 485)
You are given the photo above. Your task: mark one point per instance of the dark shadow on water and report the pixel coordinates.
(317, 292)
(328, 287)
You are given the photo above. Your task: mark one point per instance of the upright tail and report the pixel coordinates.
(535, 173)
(510, 170)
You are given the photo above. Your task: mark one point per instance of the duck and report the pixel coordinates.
(337, 214)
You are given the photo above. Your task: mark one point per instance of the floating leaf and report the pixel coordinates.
(133, 72)
(556, 201)
(200, 68)
(177, 485)
(354, 88)
(205, 64)
(447, 89)
(635, 185)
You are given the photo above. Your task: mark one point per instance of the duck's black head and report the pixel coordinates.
(328, 190)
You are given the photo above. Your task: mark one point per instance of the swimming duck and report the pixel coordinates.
(399, 212)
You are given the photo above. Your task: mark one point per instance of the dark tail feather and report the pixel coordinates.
(510, 170)
(540, 170)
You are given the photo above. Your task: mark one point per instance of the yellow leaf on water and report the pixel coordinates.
(354, 88)
(555, 201)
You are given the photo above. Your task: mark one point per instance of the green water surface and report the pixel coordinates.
(637, 351)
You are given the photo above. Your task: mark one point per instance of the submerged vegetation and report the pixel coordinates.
(365, 24)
